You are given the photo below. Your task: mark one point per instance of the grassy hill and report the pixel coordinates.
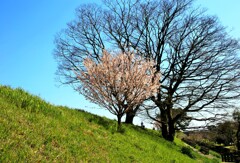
(32, 130)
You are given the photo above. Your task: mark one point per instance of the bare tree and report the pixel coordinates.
(181, 124)
(197, 58)
(118, 83)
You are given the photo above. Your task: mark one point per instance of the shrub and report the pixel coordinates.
(190, 142)
(188, 151)
(204, 150)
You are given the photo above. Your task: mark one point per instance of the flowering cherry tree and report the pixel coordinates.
(119, 82)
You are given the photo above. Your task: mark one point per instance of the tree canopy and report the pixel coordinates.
(118, 82)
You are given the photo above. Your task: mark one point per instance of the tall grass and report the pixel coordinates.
(33, 130)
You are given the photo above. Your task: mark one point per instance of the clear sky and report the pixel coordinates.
(27, 30)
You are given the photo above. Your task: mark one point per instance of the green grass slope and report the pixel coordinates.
(32, 130)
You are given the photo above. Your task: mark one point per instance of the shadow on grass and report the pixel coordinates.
(102, 121)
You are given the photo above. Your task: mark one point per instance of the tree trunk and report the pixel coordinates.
(164, 129)
(171, 123)
(119, 122)
(164, 124)
(168, 128)
(129, 117)
(171, 130)
(168, 132)
(131, 114)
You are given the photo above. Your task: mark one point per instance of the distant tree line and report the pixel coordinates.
(223, 134)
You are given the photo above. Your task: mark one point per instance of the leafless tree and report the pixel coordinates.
(197, 58)
(181, 124)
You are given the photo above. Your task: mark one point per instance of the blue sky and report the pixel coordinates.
(27, 33)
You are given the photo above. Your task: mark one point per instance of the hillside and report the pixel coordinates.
(32, 130)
